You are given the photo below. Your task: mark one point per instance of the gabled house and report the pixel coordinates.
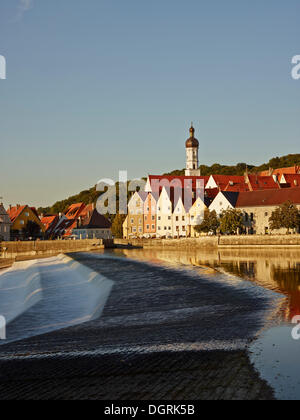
(26, 223)
(93, 226)
(50, 223)
(150, 207)
(165, 205)
(196, 214)
(5, 224)
(135, 220)
(225, 200)
(69, 221)
(183, 200)
(258, 207)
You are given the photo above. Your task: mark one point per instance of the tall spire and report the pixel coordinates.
(192, 131)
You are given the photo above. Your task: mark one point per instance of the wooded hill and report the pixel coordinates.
(91, 195)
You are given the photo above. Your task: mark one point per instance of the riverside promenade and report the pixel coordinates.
(226, 241)
(164, 334)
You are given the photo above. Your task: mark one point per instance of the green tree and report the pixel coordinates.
(210, 223)
(285, 216)
(117, 225)
(231, 221)
(31, 230)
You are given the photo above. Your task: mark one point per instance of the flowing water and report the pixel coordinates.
(183, 297)
(276, 353)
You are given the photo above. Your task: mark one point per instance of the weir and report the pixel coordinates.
(48, 295)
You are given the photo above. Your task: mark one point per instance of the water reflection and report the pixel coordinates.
(274, 269)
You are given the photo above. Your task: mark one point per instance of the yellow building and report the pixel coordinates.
(21, 228)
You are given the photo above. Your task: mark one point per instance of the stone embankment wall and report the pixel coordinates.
(40, 248)
(266, 241)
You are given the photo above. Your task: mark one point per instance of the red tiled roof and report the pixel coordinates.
(291, 180)
(14, 212)
(236, 187)
(49, 222)
(155, 180)
(74, 210)
(262, 182)
(281, 171)
(212, 192)
(95, 220)
(268, 197)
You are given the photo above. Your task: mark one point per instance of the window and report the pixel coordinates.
(183, 228)
(169, 217)
(140, 230)
(169, 227)
(183, 218)
(26, 214)
(148, 227)
(177, 218)
(159, 218)
(22, 222)
(266, 214)
(153, 217)
(131, 221)
(134, 230)
(159, 228)
(165, 228)
(153, 227)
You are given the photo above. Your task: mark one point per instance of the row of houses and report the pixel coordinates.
(173, 206)
(80, 221)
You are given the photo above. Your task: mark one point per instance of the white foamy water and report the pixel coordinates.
(50, 294)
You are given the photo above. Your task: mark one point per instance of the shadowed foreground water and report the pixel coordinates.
(275, 354)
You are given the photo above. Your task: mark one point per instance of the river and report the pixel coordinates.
(275, 353)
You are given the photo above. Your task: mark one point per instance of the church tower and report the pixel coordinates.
(192, 152)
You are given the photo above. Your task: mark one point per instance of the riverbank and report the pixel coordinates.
(243, 241)
(165, 333)
(22, 251)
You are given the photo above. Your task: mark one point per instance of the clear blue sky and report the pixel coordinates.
(96, 86)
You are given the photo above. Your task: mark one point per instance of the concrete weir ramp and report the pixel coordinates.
(41, 296)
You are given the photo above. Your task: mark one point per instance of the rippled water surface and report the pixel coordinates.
(276, 353)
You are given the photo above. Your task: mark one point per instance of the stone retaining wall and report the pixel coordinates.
(215, 242)
(40, 248)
